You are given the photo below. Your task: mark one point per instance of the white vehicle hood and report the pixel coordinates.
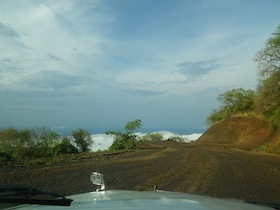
(121, 199)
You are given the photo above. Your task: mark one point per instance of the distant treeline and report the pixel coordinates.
(264, 102)
(21, 146)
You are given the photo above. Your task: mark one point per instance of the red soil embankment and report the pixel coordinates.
(244, 133)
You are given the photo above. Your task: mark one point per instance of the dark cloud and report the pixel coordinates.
(198, 68)
(8, 31)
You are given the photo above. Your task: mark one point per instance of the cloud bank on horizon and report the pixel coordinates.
(101, 64)
(102, 142)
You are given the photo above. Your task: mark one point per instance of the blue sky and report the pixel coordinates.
(97, 64)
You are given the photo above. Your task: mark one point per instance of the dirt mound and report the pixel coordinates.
(245, 133)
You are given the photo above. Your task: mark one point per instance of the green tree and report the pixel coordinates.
(217, 116)
(132, 126)
(268, 91)
(65, 146)
(9, 139)
(268, 59)
(125, 140)
(9, 136)
(43, 141)
(82, 139)
(25, 137)
(26, 143)
(268, 99)
(237, 101)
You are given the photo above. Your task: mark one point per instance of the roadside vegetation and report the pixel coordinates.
(22, 147)
(264, 102)
(128, 140)
(43, 146)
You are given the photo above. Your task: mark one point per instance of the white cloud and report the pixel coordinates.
(101, 142)
(65, 37)
(42, 43)
(112, 53)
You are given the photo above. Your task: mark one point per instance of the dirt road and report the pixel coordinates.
(213, 171)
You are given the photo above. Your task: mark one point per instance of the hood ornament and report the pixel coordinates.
(97, 179)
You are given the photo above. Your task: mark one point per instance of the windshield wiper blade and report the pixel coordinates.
(24, 195)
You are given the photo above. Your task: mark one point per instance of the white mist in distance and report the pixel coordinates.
(103, 141)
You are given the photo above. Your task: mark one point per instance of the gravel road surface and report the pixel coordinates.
(214, 171)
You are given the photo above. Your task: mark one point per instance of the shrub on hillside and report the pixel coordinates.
(152, 137)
